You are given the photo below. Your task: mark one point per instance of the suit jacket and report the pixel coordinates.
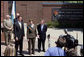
(7, 25)
(42, 34)
(19, 32)
(31, 32)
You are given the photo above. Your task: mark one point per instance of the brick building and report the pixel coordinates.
(4, 12)
(35, 10)
(38, 10)
(30, 10)
(4, 9)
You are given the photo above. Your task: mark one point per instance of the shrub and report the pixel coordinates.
(52, 24)
(65, 24)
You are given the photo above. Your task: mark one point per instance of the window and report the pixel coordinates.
(68, 11)
(55, 13)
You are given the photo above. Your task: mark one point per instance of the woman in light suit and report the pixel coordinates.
(31, 31)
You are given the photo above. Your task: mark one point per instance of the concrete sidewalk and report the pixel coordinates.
(55, 33)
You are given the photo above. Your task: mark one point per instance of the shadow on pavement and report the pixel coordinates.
(25, 52)
(36, 50)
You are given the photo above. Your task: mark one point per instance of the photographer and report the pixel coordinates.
(70, 46)
(57, 51)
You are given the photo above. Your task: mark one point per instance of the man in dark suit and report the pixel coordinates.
(19, 34)
(15, 20)
(42, 29)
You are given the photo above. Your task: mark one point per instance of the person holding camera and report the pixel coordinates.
(70, 45)
(57, 50)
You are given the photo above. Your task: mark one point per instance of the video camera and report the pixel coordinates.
(71, 42)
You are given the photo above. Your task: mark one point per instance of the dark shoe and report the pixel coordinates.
(21, 54)
(33, 53)
(43, 50)
(39, 50)
(29, 53)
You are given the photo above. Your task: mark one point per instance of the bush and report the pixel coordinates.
(53, 24)
(64, 24)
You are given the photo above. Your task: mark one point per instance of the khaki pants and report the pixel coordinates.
(8, 35)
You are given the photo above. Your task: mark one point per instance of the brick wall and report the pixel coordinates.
(47, 11)
(1, 10)
(34, 10)
(28, 10)
(4, 11)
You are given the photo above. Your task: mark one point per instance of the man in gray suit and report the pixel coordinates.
(8, 29)
(31, 30)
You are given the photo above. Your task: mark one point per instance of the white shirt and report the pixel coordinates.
(42, 27)
(32, 25)
(20, 24)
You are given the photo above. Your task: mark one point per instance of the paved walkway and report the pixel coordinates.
(54, 36)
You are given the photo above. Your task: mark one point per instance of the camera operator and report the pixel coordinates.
(57, 50)
(70, 46)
